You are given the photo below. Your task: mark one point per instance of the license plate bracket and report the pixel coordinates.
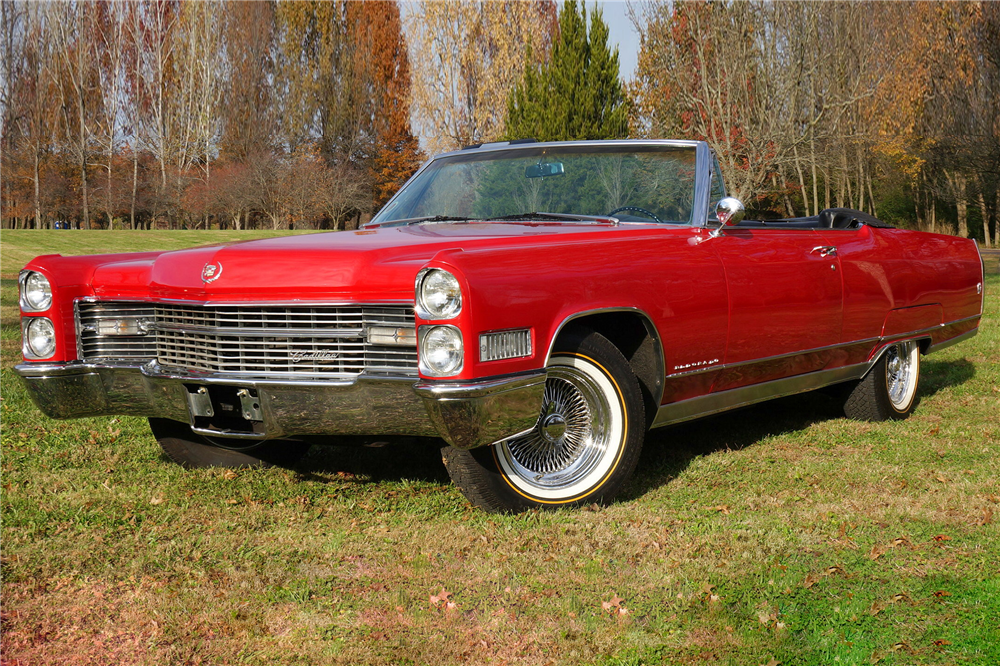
(225, 409)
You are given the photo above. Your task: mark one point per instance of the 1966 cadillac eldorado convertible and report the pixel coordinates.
(539, 306)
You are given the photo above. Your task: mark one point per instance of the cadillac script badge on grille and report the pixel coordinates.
(211, 272)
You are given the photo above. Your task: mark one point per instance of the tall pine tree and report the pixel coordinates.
(577, 93)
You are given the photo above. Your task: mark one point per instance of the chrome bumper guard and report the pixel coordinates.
(466, 415)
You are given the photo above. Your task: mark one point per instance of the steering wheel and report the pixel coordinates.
(637, 209)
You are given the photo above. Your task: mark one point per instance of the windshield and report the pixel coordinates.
(639, 183)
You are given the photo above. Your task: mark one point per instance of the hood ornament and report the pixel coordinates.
(211, 272)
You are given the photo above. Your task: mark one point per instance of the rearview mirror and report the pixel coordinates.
(541, 170)
(730, 211)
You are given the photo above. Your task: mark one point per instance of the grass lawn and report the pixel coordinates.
(782, 533)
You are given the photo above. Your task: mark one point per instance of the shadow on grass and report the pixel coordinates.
(666, 453)
(669, 450)
(403, 458)
(937, 375)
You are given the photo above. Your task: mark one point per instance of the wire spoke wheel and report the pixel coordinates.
(889, 390)
(570, 438)
(585, 443)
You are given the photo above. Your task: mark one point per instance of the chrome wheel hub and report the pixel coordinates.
(571, 435)
(554, 427)
(900, 374)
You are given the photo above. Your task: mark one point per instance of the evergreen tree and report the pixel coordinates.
(577, 93)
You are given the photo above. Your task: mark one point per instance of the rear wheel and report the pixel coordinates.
(583, 447)
(191, 450)
(889, 390)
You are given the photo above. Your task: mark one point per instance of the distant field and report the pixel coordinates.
(781, 533)
(20, 246)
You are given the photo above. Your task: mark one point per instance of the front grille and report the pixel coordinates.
(250, 340)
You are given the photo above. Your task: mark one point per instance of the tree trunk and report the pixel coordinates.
(802, 180)
(815, 184)
(38, 204)
(933, 214)
(871, 195)
(996, 219)
(826, 188)
(962, 204)
(135, 186)
(986, 219)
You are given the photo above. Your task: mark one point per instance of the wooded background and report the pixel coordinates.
(169, 114)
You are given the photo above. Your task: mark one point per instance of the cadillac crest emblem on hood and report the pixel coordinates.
(211, 272)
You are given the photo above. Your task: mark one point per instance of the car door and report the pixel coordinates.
(785, 304)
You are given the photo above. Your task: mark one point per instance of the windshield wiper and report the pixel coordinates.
(558, 217)
(426, 218)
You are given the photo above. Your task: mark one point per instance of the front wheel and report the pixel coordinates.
(889, 390)
(584, 446)
(192, 451)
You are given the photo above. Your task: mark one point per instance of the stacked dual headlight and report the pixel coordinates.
(439, 296)
(38, 335)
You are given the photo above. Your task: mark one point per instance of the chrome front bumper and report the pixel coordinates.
(465, 414)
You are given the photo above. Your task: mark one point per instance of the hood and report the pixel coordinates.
(377, 264)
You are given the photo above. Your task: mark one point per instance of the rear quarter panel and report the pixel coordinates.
(888, 270)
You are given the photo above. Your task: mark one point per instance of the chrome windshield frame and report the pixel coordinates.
(703, 167)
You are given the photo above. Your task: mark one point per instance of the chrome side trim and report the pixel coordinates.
(766, 359)
(952, 341)
(923, 331)
(650, 329)
(713, 403)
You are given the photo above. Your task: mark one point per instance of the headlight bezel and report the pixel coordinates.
(425, 335)
(428, 311)
(24, 288)
(27, 348)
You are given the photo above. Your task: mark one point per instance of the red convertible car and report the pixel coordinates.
(539, 306)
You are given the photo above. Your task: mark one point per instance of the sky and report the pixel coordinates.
(622, 33)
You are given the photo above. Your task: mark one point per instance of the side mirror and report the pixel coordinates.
(730, 211)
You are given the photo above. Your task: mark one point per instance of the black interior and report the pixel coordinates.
(831, 218)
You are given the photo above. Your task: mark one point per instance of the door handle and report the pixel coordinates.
(825, 250)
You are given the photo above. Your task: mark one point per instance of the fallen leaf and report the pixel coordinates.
(941, 593)
(773, 662)
(876, 552)
(440, 596)
(156, 500)
(942, 537)
(615, 602)
(939, 643)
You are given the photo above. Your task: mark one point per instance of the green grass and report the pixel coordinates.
(22, 245)
(781, 532)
